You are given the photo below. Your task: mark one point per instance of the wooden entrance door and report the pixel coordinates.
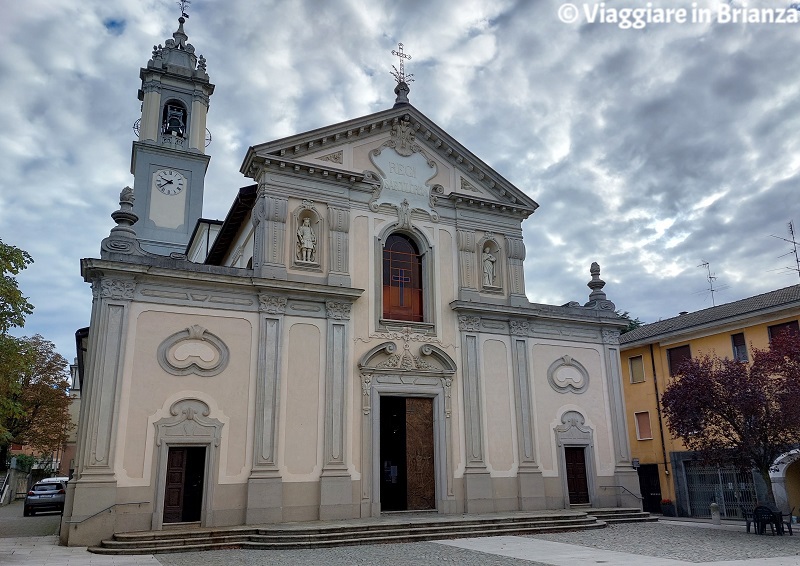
(183, 492)
(407, 461)
(421, 492)
(577, 485)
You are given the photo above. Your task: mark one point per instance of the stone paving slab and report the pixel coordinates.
(41, 551)
(697, 543)
(555, 553)
(407, 554)
(644, 544)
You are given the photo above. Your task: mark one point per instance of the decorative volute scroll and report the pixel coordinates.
(466, 258)
(610, 336)
(567, 375)
(189, 423)
(520, 327)
(515, 253)
(469, 323)
(573, 429)
(193, 351)
(338, 311)
(117, 289)
(271, 304)
(269, 222)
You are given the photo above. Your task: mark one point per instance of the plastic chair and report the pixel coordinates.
(762, 516)
(786, 519)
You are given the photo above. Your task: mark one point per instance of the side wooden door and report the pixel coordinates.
(575, 458)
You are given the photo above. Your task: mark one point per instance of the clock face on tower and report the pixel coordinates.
(169, 181)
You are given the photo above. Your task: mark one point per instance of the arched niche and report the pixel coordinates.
(491, 264)
(308, 231)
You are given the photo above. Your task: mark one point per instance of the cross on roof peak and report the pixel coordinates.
(400, 76)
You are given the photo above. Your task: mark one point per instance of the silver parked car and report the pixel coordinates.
(46, 495)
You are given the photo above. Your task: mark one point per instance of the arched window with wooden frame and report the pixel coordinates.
(402, 279)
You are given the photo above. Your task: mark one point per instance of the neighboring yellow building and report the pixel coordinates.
(648, 354)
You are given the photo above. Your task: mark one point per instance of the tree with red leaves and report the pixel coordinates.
(34, 404)
(739, 414)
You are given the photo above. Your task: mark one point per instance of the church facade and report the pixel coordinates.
(354, 338)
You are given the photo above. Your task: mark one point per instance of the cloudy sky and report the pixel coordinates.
(649, 150)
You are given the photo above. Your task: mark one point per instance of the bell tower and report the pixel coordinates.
(169, 162)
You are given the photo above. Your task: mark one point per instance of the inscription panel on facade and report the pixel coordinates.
(404, 180)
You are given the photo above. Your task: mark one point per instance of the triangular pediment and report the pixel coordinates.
(348, 145)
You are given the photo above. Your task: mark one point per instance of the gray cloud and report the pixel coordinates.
(648, 150)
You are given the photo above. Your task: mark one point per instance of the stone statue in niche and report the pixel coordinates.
(306, 242)
(489, 261)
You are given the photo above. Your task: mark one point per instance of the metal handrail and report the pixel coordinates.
(109, 508)
(626, 489)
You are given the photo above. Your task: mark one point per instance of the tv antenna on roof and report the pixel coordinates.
(184, 4)
(792, 239)
(711, 278)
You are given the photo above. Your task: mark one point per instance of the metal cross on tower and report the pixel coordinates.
(184, 4)
(400, 76)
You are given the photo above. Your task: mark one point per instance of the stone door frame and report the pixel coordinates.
(405, 375)
(573, 433)
(190, 427)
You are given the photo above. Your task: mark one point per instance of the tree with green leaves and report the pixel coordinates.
(14, 307)
(632, 322)
(34, 400)
(735, 413)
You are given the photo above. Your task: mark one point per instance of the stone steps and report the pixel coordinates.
(622, 515)
(316, 535)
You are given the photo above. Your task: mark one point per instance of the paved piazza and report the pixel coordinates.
(666, 543)
(643, 544)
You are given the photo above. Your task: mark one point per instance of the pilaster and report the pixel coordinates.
(269, 223)
(515, 250)
(339, 222)
(95, 487)
(467, 262)
(616, 401)
(264, 487)
(336, 490)
(531, 484)
(478, 492)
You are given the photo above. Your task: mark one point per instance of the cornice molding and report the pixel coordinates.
(425, 131)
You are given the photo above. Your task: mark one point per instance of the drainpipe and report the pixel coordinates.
(658, 411)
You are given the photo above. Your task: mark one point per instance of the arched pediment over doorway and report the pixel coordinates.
(429, 360)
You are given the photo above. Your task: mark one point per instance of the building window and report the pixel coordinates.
(676, 356)
(643, 431)
(776, 329)
(739, 347)
(637, 369)
(402, 279)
